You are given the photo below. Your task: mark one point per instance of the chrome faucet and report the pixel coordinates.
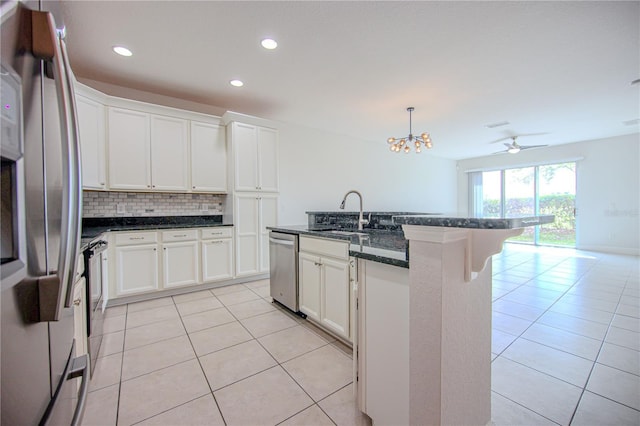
(361, 220)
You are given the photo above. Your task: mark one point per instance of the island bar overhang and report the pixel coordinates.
(450, 315)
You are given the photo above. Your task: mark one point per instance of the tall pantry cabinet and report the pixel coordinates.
(254, 177)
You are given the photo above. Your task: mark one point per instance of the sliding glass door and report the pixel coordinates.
(557, 196)
(547, 189)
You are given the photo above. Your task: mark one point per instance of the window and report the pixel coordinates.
(546, 189)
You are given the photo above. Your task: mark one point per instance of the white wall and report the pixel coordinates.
(608, 188)
(318, 167)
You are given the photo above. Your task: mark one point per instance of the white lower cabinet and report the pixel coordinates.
(310, 288)
(136, 269)
(252, 214)
(80, 316)
(189, 257)
(217, 254)
(181, 265)
(382, 346)
(325, 289)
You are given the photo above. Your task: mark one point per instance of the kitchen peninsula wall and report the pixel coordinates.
(105, 204)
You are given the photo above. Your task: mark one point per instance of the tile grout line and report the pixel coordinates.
(596, 362)
(520, 336)
(288, 373)
(198, 359)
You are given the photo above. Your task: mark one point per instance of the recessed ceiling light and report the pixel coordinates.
(269, 43)
(121, 50)
(236, 83)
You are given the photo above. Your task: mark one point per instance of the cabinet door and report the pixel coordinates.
(181, 265)
(91, 117)
(267, 159)
(247, 228)
(80, 316)
(129, 150)
(309, 281)
(336, 296)
(268, 217)
(136, 269)
(245, 146)
(169, 154)
(208, 158)
(217, 259)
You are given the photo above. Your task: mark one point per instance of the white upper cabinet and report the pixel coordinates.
(169, 154)
(147, 151)
(91, 118)
(267, 159)
(255, 157)
(208, 158)
(129, 150)
(128, 145)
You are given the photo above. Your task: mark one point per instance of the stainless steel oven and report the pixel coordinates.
(94, 273)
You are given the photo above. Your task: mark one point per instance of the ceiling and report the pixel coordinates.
(563, 69)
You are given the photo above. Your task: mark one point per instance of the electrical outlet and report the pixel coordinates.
(121, 208)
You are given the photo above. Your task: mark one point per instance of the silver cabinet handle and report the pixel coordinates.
(136, 238)
(180, 236)
(77, 302)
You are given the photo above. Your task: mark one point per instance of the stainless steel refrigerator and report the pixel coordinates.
(43, 381)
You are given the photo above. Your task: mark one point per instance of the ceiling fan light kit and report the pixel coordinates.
(402, 143)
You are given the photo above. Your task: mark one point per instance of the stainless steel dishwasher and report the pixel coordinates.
(283, 263)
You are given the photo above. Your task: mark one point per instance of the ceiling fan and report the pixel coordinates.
(514, 147)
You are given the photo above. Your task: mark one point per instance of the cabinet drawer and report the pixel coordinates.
(133, 238)
(220, 232)
(324, 246)
(180, 235)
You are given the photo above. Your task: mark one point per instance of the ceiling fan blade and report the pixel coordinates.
(518, 136)
(531, 146)
(508, 145)
(501, 139)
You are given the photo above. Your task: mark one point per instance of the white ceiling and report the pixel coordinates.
(560, 68)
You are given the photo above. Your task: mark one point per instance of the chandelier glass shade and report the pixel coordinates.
(403, 144)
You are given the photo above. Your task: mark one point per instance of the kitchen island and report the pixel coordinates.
(423, 343)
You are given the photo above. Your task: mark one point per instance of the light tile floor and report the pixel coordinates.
(566, 342)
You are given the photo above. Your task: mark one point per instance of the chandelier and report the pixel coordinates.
(403, 143)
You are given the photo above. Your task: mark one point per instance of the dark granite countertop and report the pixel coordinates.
(380, 245)
(464, 221)
(92, 227)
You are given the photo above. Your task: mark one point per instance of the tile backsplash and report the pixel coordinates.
(110, 204)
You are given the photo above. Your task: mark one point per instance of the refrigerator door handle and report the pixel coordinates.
(45, 45)
(75, 208)
(80, 368)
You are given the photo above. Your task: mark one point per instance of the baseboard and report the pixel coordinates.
(630, 251)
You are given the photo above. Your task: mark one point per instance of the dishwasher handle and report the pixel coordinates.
(282, 242)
